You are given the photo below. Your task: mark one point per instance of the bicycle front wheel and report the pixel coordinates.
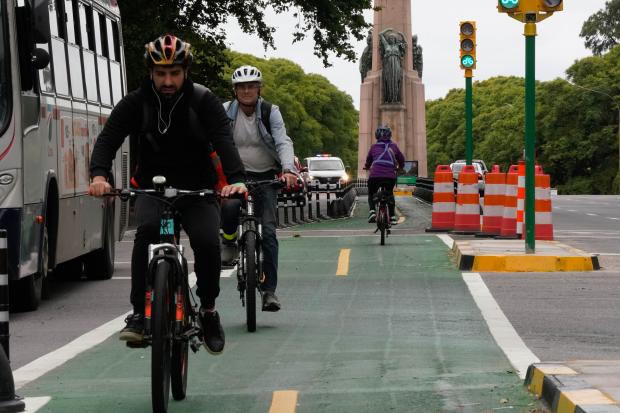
(382, 225)
(161, 325)
(180, 350)
(251, 268)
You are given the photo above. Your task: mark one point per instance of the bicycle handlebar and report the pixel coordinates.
(169, 193)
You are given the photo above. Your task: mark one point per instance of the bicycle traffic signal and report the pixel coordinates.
(530, 11)
(509, 6)
(468, 45)
(551, 5)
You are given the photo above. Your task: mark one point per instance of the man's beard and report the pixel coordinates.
(169, 97)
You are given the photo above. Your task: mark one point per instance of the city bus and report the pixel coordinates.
(62, 70)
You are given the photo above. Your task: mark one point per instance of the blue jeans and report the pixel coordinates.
(266, 206)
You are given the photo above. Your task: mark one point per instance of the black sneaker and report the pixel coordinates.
(270, 302)
(134, 330)
(372, 218)
(212, 332)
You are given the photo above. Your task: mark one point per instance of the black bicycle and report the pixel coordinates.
(383, 199)
(250, 260)
(170, 316)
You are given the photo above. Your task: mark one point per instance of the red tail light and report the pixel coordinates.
(479, 176)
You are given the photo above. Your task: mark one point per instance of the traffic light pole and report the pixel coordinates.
(469, 145)
(530, 138)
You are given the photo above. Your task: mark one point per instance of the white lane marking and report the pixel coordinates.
(228, 273)
(120, 278)
(612, 218)
(585, 236)
(446, 239)
(35, 403)
(592, 215)
(504, 333)
(571, 210)
(58, 357)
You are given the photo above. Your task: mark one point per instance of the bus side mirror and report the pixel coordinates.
(40, 59)
(41, 22)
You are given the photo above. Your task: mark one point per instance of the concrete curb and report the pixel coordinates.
(564, 392)
(469, 260)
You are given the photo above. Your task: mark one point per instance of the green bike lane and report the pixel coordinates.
(399, 333)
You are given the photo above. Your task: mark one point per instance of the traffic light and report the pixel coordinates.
(551, 5)
(468, 45)
(509, 6)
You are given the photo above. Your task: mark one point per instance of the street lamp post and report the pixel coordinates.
(618, 106)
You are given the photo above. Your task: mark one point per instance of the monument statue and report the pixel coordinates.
(418, 62)
(366, 58)
(392, 53)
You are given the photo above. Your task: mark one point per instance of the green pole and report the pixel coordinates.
(530, 138)
(469, 146)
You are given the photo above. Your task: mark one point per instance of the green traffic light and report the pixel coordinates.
(509, 4)
(467, 61)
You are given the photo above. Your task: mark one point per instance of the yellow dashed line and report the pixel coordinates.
(284, 401)
(343, 262)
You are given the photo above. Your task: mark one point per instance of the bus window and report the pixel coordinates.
(96, 31)
(4, 78)
(90, 75)
(53, 18)
(75, 70)
(70, 22)
(59, 61)
(110, 40)
(117, 41)
(83, 25)
(104, 81)
(117, 86)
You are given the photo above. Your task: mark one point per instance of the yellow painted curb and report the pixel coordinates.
(541, 371)
(528, 263)
(570, 399)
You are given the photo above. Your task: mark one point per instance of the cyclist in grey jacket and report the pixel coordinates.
(265, 149)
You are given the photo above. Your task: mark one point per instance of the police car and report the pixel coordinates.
(326, 169)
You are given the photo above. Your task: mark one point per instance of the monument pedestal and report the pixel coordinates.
(407, 119)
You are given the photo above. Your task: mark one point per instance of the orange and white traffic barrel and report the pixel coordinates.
(509, 220)
(521, 199)
(467, 219)
(494, 194)
(444, 207)
(544, 215)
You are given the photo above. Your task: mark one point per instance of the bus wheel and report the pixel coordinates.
(99, 264)
(26, 292)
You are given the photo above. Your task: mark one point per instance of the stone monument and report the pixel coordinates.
(392, 93)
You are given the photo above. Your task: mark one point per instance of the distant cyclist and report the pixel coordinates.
(383, 159)
(169, 147)
(265, 149)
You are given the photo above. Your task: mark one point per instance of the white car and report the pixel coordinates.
(458, 166)
(326, 168)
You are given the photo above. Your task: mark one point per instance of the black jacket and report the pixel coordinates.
(182, 158)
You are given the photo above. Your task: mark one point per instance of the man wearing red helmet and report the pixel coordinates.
(159, 113)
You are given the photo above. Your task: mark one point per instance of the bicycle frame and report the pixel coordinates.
(246, 219)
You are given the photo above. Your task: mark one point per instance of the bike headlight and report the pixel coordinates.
(159, 180)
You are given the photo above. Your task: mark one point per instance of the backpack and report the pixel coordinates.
(195, 127)
(388, 151)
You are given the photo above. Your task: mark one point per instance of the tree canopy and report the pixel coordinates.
(576, 130)
(602, 30)
(331, 23)
(319, 118)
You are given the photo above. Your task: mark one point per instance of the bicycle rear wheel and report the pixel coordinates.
(250, 280)
(382, 225)
(180, 352)
(161, 324)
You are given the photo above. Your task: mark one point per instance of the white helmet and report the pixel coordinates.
(246, 74)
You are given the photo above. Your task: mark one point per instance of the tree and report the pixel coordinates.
(331, 24)
(319, 118)
(602, 30)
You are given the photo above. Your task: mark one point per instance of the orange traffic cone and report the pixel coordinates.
(494, 194)
(521, 199)
(509, 220)
(544, 215)
(444, 207)
(467, 219)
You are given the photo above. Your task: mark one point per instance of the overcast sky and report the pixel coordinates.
(501, 45)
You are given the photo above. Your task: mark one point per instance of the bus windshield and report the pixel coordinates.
(4, 76)
(326, 165)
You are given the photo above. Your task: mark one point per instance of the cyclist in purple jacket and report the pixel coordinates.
(383, 159)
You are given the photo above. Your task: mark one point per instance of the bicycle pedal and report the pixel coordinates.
(195, 346)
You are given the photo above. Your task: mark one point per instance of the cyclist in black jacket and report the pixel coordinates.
(169, 148)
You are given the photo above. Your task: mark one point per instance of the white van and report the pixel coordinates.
(62, 70)
(326, 169)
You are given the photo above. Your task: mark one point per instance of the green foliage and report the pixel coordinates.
(602, 29)
(319, 118)
(576, 130)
